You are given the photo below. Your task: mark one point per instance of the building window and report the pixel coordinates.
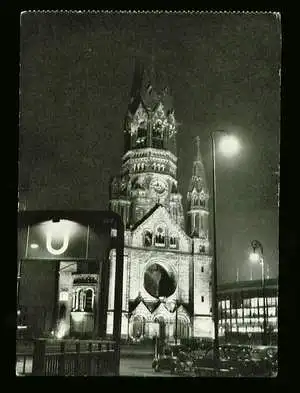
(141, 138)
(254, 302)
(160, 237)
(202, 299)
(157, 136)
(202, 269)
(227, 303)
(139, 212)
(261, 301)
(261, 311)
(148, 239)
(202, 249)
(83, 300)
(247, 302)
(272, 311)
(173, 242)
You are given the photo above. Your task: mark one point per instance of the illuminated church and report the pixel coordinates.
(167, 262)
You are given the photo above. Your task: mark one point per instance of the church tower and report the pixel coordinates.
(197, 202)
(149, 168)
(167, 270)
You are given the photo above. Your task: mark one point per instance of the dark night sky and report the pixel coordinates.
(223, 73)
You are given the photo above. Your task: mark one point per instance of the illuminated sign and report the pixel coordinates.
(63, 239)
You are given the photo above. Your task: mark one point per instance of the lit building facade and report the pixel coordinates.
(241, 311)
(167, 262)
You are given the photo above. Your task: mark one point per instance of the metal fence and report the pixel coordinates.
(70, 358)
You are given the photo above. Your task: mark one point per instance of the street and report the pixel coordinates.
(140, 367)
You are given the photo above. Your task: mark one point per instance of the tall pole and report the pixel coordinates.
(256, 244)
(176, 321)
(264, 301)
(215, 272)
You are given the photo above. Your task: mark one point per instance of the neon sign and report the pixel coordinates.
(55, 251)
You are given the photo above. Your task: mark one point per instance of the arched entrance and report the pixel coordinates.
(138, 327)
(182, 328)
(162, 326)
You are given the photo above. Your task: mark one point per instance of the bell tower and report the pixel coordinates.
(149, 169)
(197, 202)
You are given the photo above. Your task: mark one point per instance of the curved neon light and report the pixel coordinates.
(60, 250)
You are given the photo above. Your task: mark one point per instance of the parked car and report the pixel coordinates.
(264, 360)
(205, 365)
(174, 358)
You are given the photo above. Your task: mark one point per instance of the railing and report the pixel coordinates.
(75, 358)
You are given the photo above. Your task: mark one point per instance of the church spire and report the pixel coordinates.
(197, 198)
(198, 179)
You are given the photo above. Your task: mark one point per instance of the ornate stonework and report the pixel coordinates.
(166, 271)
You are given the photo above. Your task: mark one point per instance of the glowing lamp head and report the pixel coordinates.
(254, 257)
(34, 245)
(229, 145)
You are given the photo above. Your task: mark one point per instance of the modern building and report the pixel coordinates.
(167, 262)
(242, 311)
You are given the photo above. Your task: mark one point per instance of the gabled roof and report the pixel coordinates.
(141, 309)
(159, 214)
(160, 310)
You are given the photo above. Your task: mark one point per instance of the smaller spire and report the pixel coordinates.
(198, 154)
(198, 167)
(198, 179)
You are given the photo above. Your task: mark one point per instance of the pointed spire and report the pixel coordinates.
(198, 167)
(198, 179)
(198, 154)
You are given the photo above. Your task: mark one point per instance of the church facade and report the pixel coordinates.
(167, 262)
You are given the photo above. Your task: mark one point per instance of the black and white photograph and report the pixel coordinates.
(148, 194)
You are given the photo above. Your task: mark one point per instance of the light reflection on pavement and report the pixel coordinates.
(140, 367)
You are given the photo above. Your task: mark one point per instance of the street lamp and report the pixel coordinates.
(257, 257)
(228, 146)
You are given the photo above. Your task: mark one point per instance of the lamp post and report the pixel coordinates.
(258, 257)
(176, 322)
(229, 146)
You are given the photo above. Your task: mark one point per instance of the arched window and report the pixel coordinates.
(83, 300)
(148, 239)
(173, 241)
(141, 138)
(160, 237)
(89, 295)
(157, 135)
(197, 223)
(202, 201)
